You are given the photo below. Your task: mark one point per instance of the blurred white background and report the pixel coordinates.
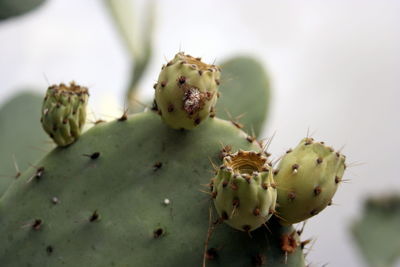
(334, 66)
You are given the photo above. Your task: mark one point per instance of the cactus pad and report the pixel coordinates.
(307, 178)
(64, 112)
(128, 193)
(186, 91)
(377, 231)
(244, 190)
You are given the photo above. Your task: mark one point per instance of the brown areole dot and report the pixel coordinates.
(317, 190)
(158, 233)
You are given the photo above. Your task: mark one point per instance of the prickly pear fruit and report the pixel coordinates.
(186, 91)
(244, 190)
(64, 112)
(307, 178)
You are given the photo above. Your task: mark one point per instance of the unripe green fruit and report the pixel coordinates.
(64, 112)
(244, 190)
(307, 177)
(186, 91)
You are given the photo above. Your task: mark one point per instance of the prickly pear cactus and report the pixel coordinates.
(244, 191)
(22, 141)
(307, 177)
(64, 112)
(186, 91)
(130, 193)
(377, 231)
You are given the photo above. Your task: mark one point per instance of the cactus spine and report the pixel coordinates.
(64, 112)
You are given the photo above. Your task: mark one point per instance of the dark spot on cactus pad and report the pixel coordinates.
(288, 242)
(265, 186)
(170, 107)
(337, 179)
(295, 167)
(181, 80)
(49, 250)
(237, 124)
(217, 82)
(330, 202)
(234, 186)
(124, 116)
(273, 185)
(94, 217)
(212, 112)
(197, 121)
(292, 195)
(211, 254)
(319, 160)
(37, 224)
(94, 155)
(158, 233)
(276, 172)
(157, 165)
(317, 190)
(288, 151)
(258, 260)
(250, 139)
(155, 86)
(256, 212)
(236, 203)
(163, 84)
(214, 194)
(169, 63)
(224, 184)
(200, 72)
(38, 174)
(314, 212)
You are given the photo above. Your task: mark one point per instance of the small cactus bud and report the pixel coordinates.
(64, 112)
(246, 202)
(311, 173)
(184, 87)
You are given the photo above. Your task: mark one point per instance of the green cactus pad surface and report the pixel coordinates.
(21, 138)
(307, 177)
(186, 91)
(245, 93)
(377, 231)
(131, 193)
(244, 191)
(11, 8)
(64, 112)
